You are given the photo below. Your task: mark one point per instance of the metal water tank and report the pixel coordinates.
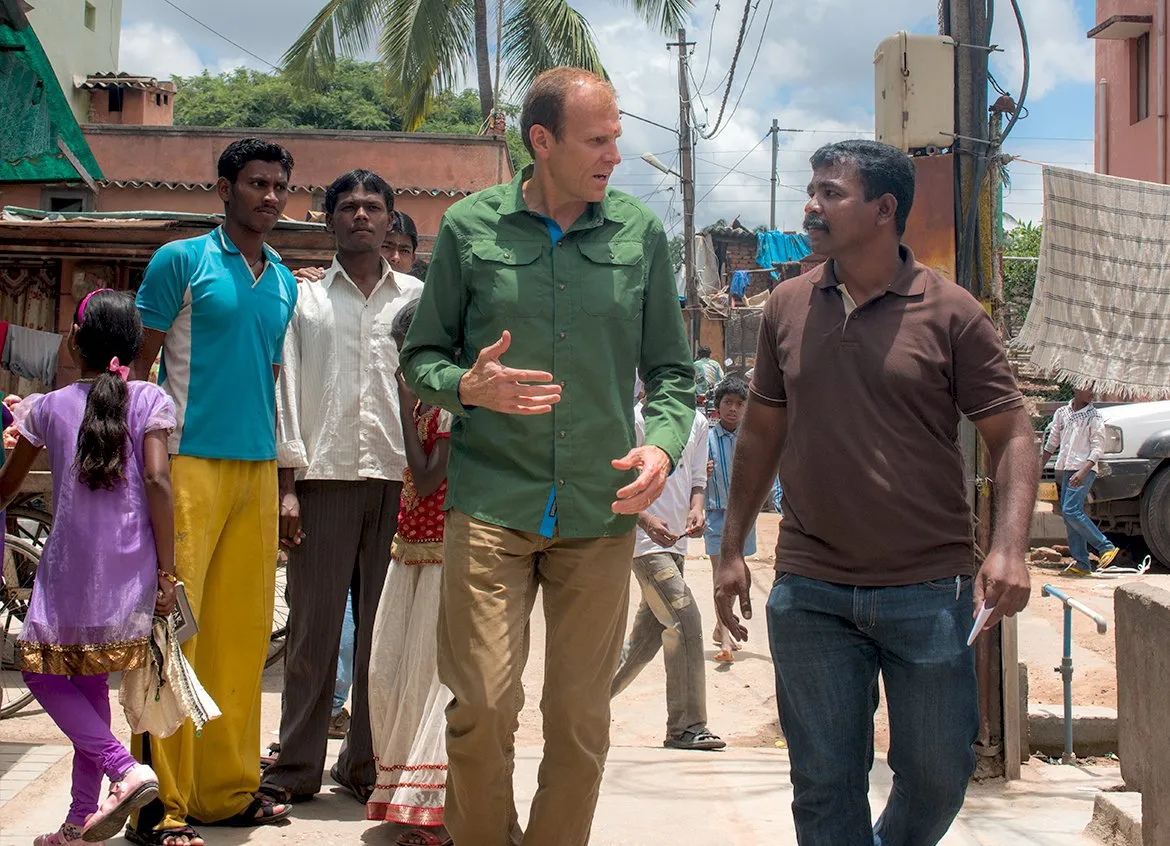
(914, 91)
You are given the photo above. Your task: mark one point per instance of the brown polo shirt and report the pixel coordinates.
(872, 472)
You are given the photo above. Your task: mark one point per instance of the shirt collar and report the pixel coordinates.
(513, 203)
(227, 246)
(335, 270)
(909, 281)
(724, 432)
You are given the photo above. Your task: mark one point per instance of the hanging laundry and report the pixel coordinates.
(31, 354)
(1098, 313)
(740, 280)
(774, 248)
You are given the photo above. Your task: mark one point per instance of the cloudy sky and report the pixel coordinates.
(814, 74)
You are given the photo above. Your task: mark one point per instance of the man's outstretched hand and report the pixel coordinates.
(641, 493)
(489, 384)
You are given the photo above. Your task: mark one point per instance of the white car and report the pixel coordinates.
(1132, 493)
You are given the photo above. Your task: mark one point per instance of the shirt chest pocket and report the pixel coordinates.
(611, 280)
(507, 280)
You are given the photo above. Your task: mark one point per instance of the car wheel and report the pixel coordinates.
(1155, 515)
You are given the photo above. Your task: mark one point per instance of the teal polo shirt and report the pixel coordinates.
(225, 331)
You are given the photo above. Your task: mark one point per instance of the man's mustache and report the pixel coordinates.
(813, 221)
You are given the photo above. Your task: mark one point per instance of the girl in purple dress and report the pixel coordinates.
(108, 564)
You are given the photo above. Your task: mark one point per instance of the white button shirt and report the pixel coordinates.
(337, 399)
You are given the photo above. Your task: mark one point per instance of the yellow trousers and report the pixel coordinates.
(226, 523)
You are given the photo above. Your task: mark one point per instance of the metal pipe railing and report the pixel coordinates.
(1066, 663)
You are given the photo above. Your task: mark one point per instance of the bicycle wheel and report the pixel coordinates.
(20, 566)
(28, 522)
(277, 640)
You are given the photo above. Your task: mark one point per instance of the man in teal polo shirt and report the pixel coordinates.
(543, 299)
(218, 307)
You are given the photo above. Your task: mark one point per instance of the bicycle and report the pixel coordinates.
(21, 558)
(277, 641)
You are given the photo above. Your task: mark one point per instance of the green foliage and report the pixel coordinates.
(676, 245)
(353, 97)
(1019, 277)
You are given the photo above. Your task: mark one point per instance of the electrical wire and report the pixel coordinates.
(1027, 71)
(756, 58)
(710, 44)
(736, 165)
(747, 8)
(187, 14)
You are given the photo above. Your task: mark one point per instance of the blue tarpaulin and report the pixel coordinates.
(779, 247)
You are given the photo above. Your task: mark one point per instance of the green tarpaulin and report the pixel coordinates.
(40, 140)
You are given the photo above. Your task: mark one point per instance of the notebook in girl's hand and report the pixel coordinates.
(185, 625)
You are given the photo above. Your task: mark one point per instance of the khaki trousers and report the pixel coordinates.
(490, 578)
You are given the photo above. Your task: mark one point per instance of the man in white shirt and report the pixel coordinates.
(1078, 435)
(341, 456)
(668, 616)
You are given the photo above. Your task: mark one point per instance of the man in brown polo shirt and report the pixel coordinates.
(863, 370)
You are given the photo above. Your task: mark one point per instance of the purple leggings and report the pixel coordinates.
(80, 706)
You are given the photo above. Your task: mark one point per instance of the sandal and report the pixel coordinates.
(702, 740)
(138, 787)
(423, 836)
(262, 810)
(182, 836)
(361, 792)
(284, 797)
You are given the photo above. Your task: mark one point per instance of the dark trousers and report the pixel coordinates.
(348, 528)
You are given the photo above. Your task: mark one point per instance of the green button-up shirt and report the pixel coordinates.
(593, 310)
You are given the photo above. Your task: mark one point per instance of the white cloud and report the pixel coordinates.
(155, 50)
(1059, 50)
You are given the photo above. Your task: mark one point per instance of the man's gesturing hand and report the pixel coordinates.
(643, 491)
(489, 384)
(732, 582)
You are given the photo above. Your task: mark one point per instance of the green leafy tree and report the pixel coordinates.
(354, 98)
(426, 45)
(1019, 277)
(676, 245)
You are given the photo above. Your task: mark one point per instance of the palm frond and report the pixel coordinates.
(542, 34)
(348, 25)
(426, 47)
(665, 15)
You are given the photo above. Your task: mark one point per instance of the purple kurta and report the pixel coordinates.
(93, 597)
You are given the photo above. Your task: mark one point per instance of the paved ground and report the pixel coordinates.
(651, 795)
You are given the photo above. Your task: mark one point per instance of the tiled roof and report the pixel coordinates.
(307, 189)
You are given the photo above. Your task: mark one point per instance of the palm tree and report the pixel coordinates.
(426, 45)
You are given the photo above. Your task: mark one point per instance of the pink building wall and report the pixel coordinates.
(1124, 145)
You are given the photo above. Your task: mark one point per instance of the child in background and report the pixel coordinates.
(407, 700)
(108, 564)
(1078, 435)
(730, 401)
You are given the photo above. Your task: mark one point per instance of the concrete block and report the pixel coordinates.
(1117, 819)
(1094, 730)
(1047, 526)
(1142, 629)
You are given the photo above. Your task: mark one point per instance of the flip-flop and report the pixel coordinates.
(425, 837)
(159, 836)
(262, 810)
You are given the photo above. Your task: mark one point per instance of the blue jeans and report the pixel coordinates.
(828, 643)
(1082, 532)
(344, 659)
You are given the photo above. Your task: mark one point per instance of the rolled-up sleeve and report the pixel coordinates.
(665, 361)
(428, 356)
(290, 445)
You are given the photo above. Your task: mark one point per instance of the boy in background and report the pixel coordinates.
(730, 401)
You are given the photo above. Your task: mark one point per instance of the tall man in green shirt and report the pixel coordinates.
(545, 296)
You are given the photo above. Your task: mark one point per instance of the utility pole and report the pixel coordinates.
(775, 173)
(995, 655)
(686, 151)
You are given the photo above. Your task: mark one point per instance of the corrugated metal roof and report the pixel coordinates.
(40, 140)
(210, 186)
(123, 80)
(16, 214)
